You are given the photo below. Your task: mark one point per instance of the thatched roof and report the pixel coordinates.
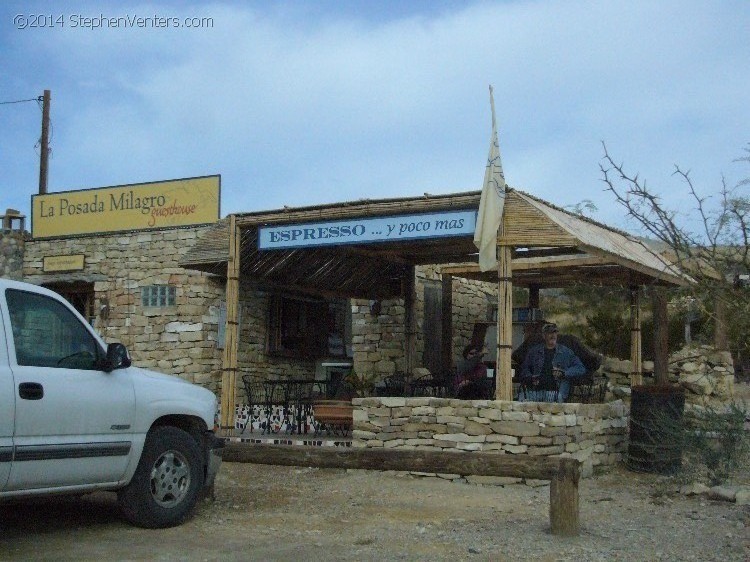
(553, 248)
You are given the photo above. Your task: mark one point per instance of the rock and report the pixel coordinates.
(742, 497)
(689, 367)
(696, 383)
(492, 480)
(722, 493)
(536, 483)
(694, 489)
(614, 365)
(621, 391)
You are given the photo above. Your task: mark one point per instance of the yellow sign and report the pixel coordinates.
(140, 206)
(63, 263)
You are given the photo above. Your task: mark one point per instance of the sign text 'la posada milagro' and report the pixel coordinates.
(163, 204)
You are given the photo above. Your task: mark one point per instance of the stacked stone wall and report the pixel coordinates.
(706, 374)
(595, 434)
(12, 244)
(179, 339)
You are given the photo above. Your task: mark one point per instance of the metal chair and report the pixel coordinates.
(299, 400)
(437, 386)
(395, 384)
(588, 389)
(527, 393)
(277, 396)
(255, 394)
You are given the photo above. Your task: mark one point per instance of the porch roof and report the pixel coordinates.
(552, 248)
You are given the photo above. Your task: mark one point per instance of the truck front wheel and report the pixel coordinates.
(166, 483)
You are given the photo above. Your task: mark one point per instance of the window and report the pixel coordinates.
(306, 327)
(158, 295)
(47, 334)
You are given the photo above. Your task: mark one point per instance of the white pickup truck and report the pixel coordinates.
(76, 417)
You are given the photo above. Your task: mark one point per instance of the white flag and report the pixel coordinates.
(492, 202)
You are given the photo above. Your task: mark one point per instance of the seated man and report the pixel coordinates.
(471, 383)
(546, 366)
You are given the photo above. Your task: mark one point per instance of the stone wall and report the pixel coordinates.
(706, 374)
(12, 243)
(179, 339)
(252, 355)
(379, 340)
(595, 434)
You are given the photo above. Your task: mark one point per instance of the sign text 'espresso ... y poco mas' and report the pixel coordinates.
(143, 206)
(370, 230)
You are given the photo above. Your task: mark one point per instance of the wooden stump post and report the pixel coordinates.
(563, 499)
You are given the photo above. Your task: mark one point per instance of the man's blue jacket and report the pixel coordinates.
(564, 359)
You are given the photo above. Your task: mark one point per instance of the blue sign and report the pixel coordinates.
(368, 230)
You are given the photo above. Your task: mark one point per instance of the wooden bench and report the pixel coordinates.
(563, 473)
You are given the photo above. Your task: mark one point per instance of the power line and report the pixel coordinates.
(19, 101)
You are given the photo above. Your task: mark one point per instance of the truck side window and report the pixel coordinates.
(47, 334)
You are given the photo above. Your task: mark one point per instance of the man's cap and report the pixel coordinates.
(549, 328)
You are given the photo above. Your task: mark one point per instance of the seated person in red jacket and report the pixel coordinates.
(471, 383)
(547, 369)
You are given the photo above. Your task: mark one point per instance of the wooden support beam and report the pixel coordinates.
(533, 296)
(410, 318)
(446, 336)
(564, 473)
(636, 355)
(503, 371)
(231, 343)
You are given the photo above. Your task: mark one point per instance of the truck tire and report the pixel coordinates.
(166, 483)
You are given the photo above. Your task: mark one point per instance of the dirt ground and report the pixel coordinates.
(282, 513)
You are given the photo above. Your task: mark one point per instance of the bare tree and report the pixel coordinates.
(716, 255)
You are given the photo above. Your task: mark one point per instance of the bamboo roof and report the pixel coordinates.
(552, 248)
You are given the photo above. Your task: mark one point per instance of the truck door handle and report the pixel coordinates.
(30, 390)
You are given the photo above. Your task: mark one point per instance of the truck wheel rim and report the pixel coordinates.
(170, 479)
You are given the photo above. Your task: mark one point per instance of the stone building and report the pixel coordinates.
(132, 290)
(137, 287)
(398, 301)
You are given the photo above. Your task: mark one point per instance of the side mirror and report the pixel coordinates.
(117, 357)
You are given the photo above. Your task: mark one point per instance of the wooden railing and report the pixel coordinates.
(563, 473)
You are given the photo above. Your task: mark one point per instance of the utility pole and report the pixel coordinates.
(44, 142)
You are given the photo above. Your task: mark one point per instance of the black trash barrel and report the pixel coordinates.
(655, 429)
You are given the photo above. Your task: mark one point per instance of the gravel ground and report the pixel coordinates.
(286, 513)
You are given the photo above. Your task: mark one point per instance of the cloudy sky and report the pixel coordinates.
(298, 103)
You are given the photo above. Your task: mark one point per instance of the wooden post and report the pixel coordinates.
(533, 296)
(446, 336)
(503, 372)
(229, 361)
(410, 318)
(44, 143)
(661, 335)
(563, 498)
(636, 357)
(563, 473)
